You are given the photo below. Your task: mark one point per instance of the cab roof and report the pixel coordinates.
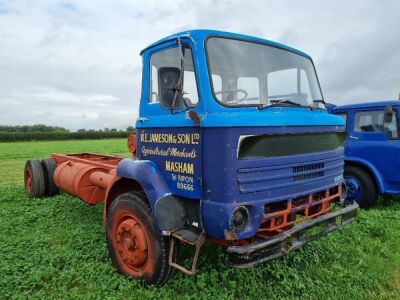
(367, 105)
(203, 34)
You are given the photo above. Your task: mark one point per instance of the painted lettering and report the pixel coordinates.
(179, 167)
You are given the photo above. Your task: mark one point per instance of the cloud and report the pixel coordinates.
(76, 63)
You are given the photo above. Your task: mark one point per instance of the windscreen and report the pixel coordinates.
(245, 73)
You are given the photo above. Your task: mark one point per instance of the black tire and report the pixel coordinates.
(49, 166)
(34, 179)
(156, 269)
(368, 189)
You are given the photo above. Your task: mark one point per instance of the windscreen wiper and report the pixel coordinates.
(281, 102)
(285, 101)
(319, 101)
(316, 101)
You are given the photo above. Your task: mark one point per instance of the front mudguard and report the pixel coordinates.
(148, 175)
(168, 211)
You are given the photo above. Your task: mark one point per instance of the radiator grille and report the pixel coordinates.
(305, 168)
(307, 176)
(274, 179)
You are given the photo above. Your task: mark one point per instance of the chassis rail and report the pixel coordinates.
(247, 256)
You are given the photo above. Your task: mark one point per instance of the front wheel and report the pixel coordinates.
(360, 186)
(136, 249)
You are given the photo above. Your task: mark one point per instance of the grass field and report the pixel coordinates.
(55, 248)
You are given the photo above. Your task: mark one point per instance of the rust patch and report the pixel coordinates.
(132, 144)
(229, 235)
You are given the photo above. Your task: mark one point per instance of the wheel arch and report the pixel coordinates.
(370, 169)
(137, 175)
(118, 187)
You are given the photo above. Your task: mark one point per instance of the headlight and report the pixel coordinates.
(240, 218)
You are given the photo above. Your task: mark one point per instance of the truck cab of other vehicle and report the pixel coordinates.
(372, 150)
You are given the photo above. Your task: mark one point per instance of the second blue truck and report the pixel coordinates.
(372, 150)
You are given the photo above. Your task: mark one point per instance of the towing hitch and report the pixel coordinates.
(253, 254)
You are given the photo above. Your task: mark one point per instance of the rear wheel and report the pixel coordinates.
(136, 249)
(360, 186)
(34, 179)
(49, 166)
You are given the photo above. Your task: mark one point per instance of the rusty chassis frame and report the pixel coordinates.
(98, 170)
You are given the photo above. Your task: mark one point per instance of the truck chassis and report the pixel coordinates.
(287, 224)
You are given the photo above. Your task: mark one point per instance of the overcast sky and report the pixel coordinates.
(76, 63)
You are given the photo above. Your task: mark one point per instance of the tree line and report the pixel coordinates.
(41, 132)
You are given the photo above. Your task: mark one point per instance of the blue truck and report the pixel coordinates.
(372, 148)
(234, 145)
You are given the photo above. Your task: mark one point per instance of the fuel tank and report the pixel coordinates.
(87, 182)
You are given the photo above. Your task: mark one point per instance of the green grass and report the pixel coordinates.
(55, 248)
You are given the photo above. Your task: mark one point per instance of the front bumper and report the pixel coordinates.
(256, 253)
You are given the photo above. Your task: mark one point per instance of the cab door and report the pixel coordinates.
(168, 134)
(374, 137)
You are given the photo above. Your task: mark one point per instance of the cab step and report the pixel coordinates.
(191, 236)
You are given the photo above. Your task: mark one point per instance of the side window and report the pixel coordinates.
(391, 127)
(369, 121)
(251, 85)
(170, 59)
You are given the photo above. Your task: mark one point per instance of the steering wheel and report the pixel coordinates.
(232, 91)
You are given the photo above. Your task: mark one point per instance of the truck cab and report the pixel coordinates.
(237, 128)
(372, 150)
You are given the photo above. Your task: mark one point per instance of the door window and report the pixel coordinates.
(372, 121)
(391, 128)
(369, 121)
(170, 58)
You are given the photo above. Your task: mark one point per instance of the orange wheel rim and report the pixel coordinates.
(131, 243)
(28, 181)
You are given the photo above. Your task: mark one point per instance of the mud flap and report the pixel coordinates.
(174, 219)
(170, 213)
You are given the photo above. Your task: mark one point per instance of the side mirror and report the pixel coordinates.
(168, 78)
(388, 114)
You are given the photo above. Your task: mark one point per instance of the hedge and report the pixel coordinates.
(57, 135)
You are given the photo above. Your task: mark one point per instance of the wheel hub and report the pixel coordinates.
(132, 243)
(28, 181)
(353, 189)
